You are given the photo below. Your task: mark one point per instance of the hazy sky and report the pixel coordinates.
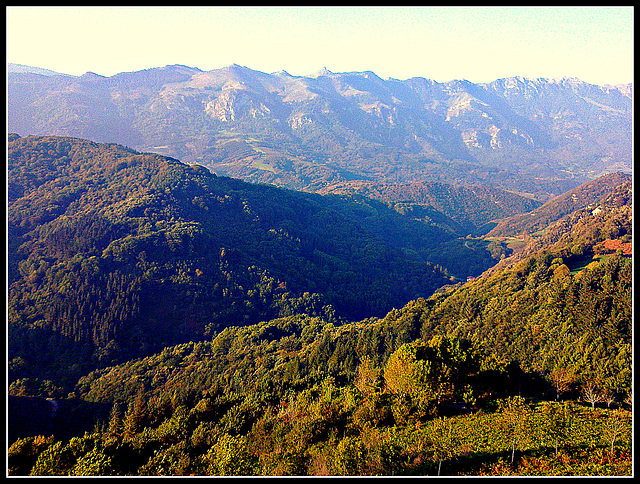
(478, 44)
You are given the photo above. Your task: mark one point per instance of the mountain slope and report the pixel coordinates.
(468, 209)
(532, 313)
(15, 68)
(113, 253)
(535, 136)
(556, 208)
(310, 395)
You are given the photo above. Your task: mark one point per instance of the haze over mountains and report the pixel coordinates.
(538, 137)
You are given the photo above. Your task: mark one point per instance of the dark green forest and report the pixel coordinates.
(466, 210)
(213, 327)
(116, 254)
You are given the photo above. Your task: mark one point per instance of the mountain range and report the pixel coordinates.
(535, 137)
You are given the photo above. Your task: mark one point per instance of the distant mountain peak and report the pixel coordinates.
(322, 72)
(236, 67)
(91, 76)
(182, 67)
(21, 68)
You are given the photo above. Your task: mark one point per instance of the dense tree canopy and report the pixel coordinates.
(115, 254)
(236, 330)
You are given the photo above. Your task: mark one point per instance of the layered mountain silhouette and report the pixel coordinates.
(539, 137)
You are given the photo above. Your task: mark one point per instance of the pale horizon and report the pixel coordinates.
(479, 44)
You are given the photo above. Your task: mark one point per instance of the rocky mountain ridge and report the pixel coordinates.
(539, 137)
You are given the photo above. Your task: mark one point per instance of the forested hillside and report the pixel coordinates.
(510, 313)
(309, 395)
(539, 218)
(467, 209)
(115, 254)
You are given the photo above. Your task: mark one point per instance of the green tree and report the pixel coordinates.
(170, 461)
(232, 456)
(514, 413)
(93, 463)
(367, 377)
(55, 460)
(406, 376)
(430, 371)
(349, 457)
(443, 439)
(557, 421)
(115, 428)
(176, 428)
(23, 453)
(402, 372)
(134, 418)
